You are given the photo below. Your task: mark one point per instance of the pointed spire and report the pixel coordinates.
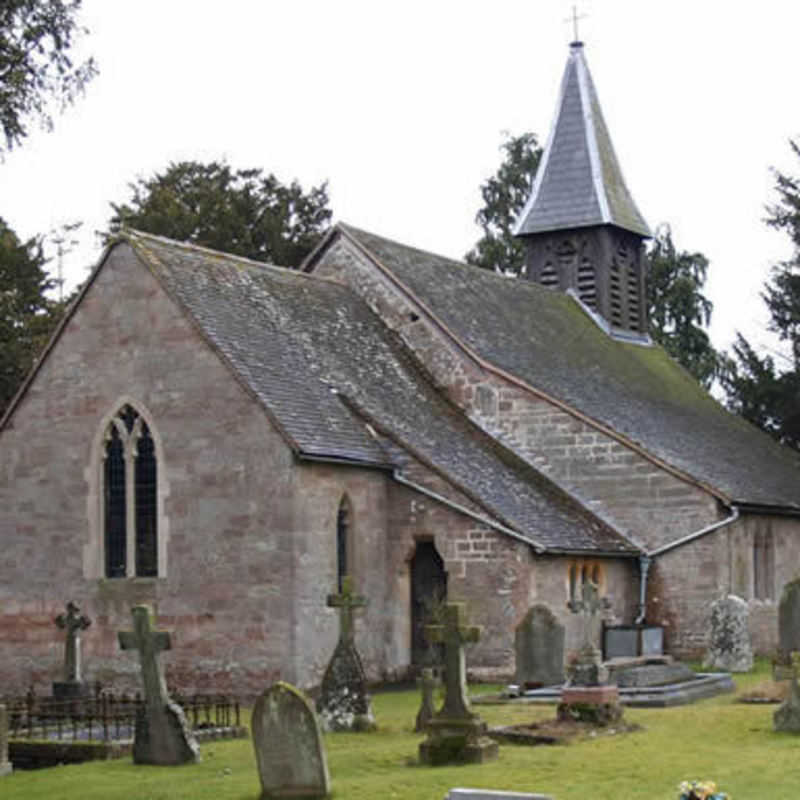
(579, 182)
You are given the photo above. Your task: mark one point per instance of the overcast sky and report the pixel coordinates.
(401, 107)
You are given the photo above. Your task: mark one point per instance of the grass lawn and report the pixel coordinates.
(716, 739)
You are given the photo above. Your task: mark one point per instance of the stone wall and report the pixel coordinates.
(250, 533)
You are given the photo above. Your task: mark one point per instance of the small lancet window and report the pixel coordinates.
(763, 565)
(130, 497)
(342, 542)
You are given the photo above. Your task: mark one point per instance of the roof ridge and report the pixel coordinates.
(133, 235)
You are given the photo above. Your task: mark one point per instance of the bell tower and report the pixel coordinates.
(581, 227)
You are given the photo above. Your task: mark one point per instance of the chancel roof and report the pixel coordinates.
(579, 181)
(340, 385)
(545, 339)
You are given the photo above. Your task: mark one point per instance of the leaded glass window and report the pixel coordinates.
(342, 542)
(130, 497)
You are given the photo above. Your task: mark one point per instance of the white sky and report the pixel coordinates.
(402, 108)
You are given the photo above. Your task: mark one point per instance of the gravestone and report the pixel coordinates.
(289, 749)
(427, 683)
(162, 733)
(539, 646)
(455, 734)
(344, 704)
(490, 794)
(787, 717)
(730, 648)
(73, 622)
(587, 695)
(789, 622)
(5, 764)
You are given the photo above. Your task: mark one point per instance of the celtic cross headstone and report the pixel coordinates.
(73, 622)
(455, 733)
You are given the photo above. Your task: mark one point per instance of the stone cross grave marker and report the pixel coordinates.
(73, 622)
(455, 734)
(290, 752)
(344, 703)
(162, 733)
(427, 682)
(5, 764)
(454, 634)
(788, 627)
(347, 603)
(588, 606)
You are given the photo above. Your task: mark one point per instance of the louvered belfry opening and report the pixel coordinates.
(603, 266)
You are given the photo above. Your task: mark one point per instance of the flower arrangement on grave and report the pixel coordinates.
(700, 790)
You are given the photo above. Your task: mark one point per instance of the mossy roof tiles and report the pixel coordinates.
(323, 363)
(545, 339)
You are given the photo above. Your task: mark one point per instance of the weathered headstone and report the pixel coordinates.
(344, 704)
(789, 622)
(289, 749)
(539, 646)
(73, 622)
(5, 764)
(162, 733)
(455, 734)
(587, 696)
(787, 716)
(427, 683)
(730, 647)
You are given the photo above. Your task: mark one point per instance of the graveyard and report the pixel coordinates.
(718, 739)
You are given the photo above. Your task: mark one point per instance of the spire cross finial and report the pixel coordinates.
(574, 20)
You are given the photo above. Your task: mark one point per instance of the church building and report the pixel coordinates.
(226, 440)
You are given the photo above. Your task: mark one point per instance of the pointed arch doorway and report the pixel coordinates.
(428, 593)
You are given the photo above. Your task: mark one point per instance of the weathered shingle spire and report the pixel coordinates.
(582, 226)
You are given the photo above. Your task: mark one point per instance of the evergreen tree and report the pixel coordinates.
(243, 212)
(677, 308)
(504, 195)
(765, 390)
(27, 315)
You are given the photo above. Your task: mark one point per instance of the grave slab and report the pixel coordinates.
(492, 794)
(288, 744)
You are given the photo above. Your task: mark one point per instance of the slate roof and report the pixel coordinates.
(545, 339)
(322, 363)
(579, 181)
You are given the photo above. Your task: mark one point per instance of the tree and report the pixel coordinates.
(677, 308)
(755, 385)
(504, 195)
(243, 212)
(36, 37)
(27, 315)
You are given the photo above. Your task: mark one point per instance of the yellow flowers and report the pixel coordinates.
(700, 790)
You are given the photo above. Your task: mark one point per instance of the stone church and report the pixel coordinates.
(225, 440)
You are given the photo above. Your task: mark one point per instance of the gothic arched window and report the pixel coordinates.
(130, 482)
(343, 521)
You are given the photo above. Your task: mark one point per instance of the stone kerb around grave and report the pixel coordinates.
(289, 749)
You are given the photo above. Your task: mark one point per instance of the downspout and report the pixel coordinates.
(646, 559)
(538, 548)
